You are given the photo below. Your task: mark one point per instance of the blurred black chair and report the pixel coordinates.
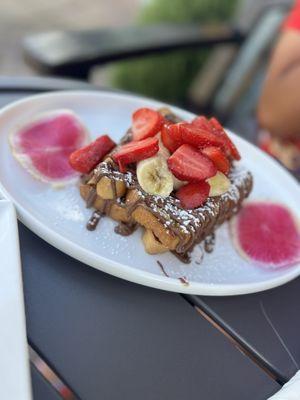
(229, 83)
(74, 53)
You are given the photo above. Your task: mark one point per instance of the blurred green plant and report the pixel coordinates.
(168, 76)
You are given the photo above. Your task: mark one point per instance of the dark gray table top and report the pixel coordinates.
(112, 339)
(268, 321)
(108, 338)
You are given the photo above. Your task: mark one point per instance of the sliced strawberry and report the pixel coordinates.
(188, 164)
(85, 159)
(199, 137)
(227, 142)
(193, 195)
(146, 123)
(135, 151)
(171, 136)
(201, 122)
(218, 158)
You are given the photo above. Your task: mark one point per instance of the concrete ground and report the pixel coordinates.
(19, 18)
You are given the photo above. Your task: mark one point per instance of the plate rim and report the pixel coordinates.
(125, 271)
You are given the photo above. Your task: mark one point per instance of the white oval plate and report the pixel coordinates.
(59, 215)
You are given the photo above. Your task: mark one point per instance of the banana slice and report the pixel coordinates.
(152, 245)
(219, 184)
(164, 152)
(154, 176)
(177, 183)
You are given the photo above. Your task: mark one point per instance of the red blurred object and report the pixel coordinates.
(286, 151)
(293, 19)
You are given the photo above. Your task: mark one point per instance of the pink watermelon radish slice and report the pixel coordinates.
(267, 234)
(43, 146)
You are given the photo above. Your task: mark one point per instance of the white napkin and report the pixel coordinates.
(290, 391)
(14, 365)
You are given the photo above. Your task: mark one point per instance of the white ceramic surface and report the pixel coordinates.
(14, 364)
(290, 391)
(59, 216)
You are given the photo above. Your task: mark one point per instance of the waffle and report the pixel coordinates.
(168, 226)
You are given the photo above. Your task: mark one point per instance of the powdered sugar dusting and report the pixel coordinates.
(191, 220)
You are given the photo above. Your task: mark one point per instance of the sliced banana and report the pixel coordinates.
(154, 176)
(163, 151)
(177, 183)
(219, 184)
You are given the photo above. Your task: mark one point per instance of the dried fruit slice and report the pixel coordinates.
(188, 164)
(267, 234)
(218, 158)
(85, 159)
(193, 195)
(146, 123)
(43, 146)
(135, 151)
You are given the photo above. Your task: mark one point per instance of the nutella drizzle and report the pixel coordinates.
(91, 198)
(113, 188)
(183, 257)
(198, 254)
(162, 268)
(184, 281)
(190, 226)
(125, 229)
(209, 243)
(94, 220)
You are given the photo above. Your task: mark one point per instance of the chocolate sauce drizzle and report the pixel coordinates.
(91, 198)
(183, 257)
(162, 268)
(198, 254)
(182, 279)
(125, 229)
(94, 220)
(190, 226)
(209, 243)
